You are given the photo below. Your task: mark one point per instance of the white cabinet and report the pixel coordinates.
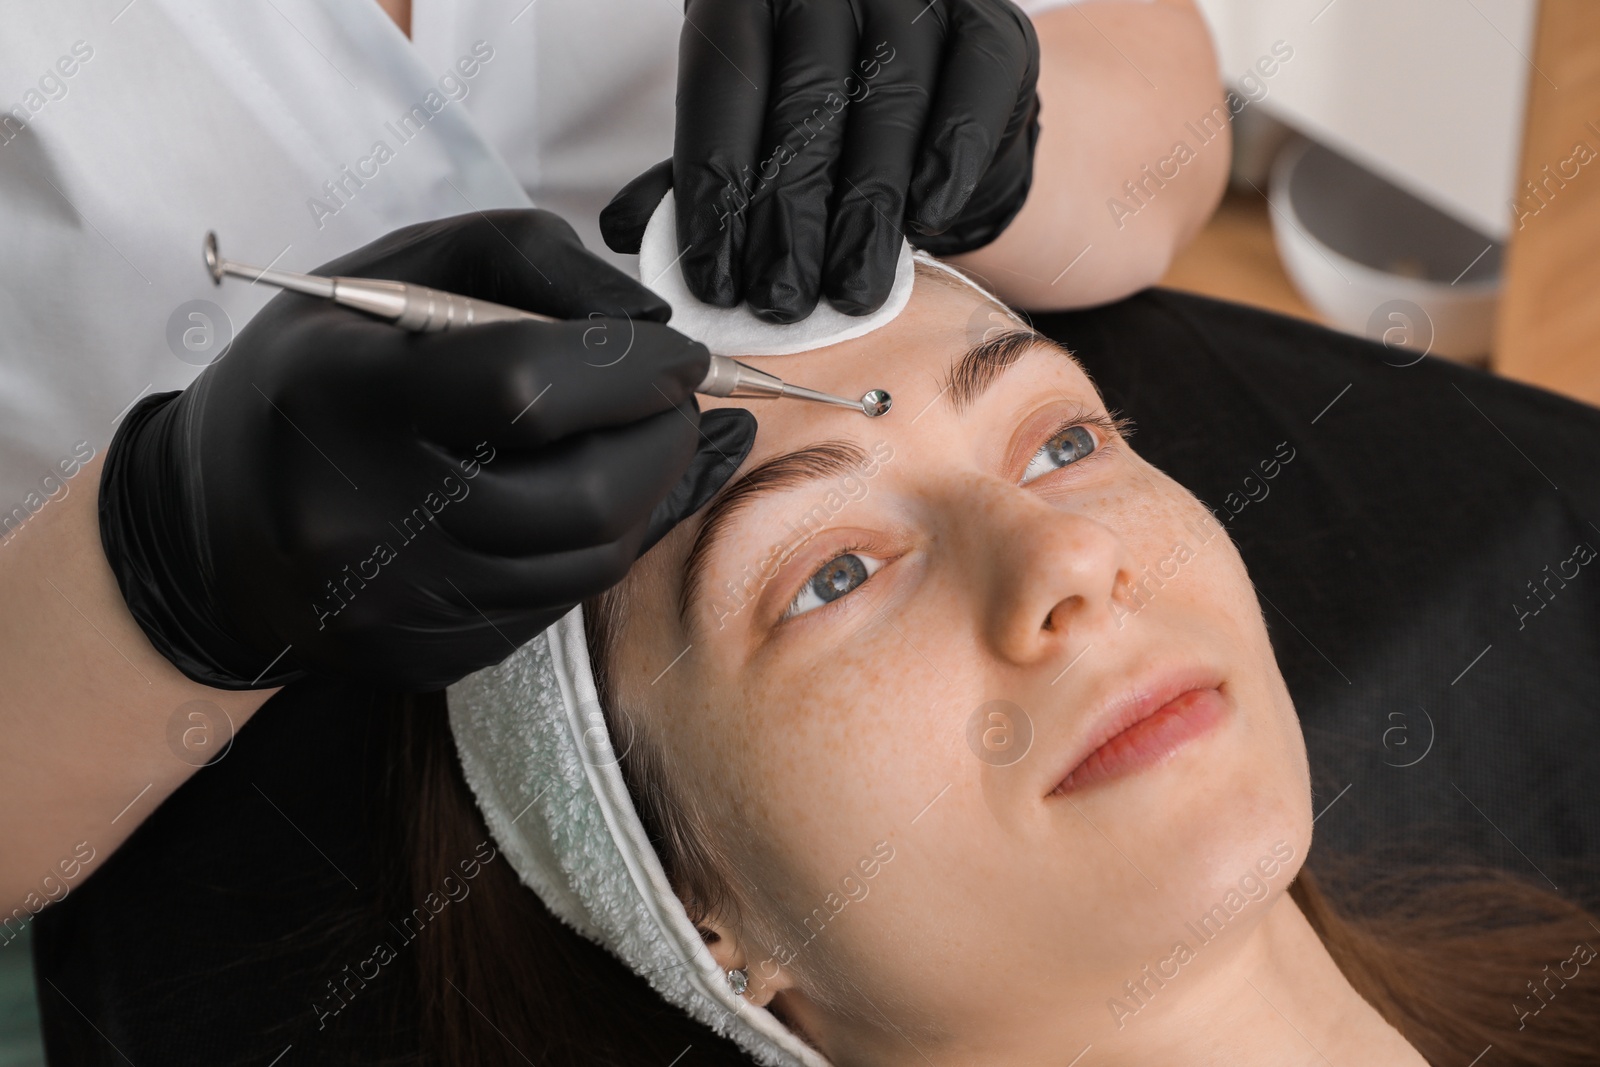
(1427, 93)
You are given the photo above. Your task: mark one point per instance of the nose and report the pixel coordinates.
(1045, 576)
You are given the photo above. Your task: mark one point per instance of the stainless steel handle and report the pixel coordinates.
(424, 310)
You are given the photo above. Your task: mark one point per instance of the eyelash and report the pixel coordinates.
(851, 549)
(1112, 427)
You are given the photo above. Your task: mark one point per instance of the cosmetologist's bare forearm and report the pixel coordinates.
(97, 727)
(1121, 86)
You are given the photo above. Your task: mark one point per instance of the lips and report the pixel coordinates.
(1141, 725)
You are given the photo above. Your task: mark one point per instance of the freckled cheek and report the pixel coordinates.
(1182, 558)
(1212, 594)
(714, 740)
(1153, 524)
(1223, 585)
(706, 734)
(824, 735)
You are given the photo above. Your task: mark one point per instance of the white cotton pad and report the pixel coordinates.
(737, 331)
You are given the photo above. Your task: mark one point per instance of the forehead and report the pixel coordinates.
(911, 358)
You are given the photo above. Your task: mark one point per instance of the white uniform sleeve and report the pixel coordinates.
(1039, 7)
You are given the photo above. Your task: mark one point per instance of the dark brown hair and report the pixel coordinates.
(1445, 955)
(499, 980)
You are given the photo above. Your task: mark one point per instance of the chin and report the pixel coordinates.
(1201, 818)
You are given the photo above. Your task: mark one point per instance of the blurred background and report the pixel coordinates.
(1419, 173)
(1425, 173)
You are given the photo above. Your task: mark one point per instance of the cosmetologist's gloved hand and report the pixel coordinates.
(338, 496)
(812, 136)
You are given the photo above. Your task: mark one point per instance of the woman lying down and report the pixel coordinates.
(950, 737)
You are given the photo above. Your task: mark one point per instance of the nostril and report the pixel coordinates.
(1063, 605)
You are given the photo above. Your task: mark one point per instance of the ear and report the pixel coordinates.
(767, 976)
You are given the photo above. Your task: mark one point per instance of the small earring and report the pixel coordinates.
(739, 980)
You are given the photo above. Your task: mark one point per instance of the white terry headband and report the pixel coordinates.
(537, 754)
(538, 757)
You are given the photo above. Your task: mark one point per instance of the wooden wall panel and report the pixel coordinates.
(1548, 331)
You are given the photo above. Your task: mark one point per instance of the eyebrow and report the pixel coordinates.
(969, 377)
(826, 459)
(981, 366)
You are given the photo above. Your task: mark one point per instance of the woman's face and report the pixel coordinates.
(874, 673)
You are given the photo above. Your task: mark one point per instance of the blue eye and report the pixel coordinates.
(1069, 445)
(842, 574)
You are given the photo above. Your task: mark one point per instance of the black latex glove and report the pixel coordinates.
(812, 136)
(338, 496)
